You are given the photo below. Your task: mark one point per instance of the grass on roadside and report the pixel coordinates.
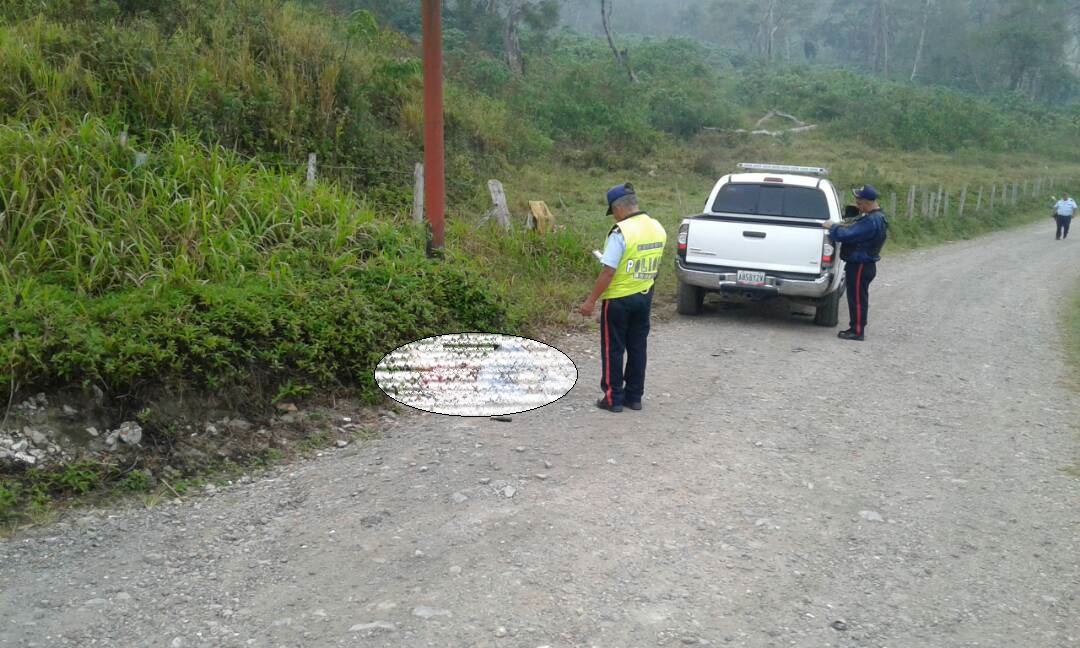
(39, 496)
(201, 271)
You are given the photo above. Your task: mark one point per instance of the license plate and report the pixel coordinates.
(750, 277)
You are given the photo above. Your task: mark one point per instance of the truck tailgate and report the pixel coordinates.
(739, 243)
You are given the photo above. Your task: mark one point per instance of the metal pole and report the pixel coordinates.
(434, 157)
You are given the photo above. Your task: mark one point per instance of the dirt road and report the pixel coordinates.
(780, 488)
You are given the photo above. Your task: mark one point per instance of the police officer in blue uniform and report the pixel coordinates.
(861, 239)
(631, 261)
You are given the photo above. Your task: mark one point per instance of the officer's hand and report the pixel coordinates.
(826, 225)
(586, 308)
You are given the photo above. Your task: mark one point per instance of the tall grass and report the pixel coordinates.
(270, 80)
(80, 214)
(201, 270)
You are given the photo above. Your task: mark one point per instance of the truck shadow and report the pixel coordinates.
(778, 312)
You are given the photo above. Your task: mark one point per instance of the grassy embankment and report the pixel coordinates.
(212, 268)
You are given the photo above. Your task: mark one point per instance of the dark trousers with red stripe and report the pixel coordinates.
(859, 276)
(624, 332)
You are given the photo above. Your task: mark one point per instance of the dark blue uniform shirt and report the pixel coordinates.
(862, 239)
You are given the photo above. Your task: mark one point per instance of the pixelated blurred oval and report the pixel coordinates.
(476, 374)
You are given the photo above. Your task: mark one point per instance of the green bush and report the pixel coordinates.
(248, 337)
(9, 499)
(586, 107)
(77, 478)
(900, 115)
(683, 112)
(134, 482)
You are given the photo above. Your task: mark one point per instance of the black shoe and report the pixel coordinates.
(849, 335)
(635, 406)
(602, 404)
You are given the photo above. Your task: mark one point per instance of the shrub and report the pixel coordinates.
(901, 115)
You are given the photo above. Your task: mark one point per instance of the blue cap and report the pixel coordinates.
(618, 191)
(865, 192)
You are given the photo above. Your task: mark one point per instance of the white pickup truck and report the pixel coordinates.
(761, 237)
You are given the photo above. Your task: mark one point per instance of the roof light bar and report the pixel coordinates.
(783, 168)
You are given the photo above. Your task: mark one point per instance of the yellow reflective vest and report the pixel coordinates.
(645, 239)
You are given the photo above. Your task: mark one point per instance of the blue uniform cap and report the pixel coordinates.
(865, 192)
(618, 191)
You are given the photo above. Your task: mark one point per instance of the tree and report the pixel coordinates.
(775, 26)
(879, 26)
(922, 39)
(622, 57)
(496, 26)
(1026, 40)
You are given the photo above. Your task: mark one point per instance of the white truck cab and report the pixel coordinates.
(760, 236)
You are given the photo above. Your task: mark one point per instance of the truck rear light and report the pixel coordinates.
(780, 180)
(684, 235)
(828, 252)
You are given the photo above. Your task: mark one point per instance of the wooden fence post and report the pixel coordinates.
(993, 190)
(911, 202)
(499, 211)
(926, 204)
(418, 193)
(945, 210)
(978, 202)
(892, 212)
(311, 171)
(963, 199)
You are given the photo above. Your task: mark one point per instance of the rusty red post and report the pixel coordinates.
(434, 156)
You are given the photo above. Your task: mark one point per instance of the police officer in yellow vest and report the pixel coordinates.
(631, 260)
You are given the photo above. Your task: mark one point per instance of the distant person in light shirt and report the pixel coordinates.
(1063, 213)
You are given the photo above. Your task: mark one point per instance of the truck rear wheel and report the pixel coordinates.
(690, 299)
(828, 311)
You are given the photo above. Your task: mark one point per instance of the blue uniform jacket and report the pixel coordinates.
(863, 238)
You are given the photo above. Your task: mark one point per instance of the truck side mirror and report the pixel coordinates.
(850, 211)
